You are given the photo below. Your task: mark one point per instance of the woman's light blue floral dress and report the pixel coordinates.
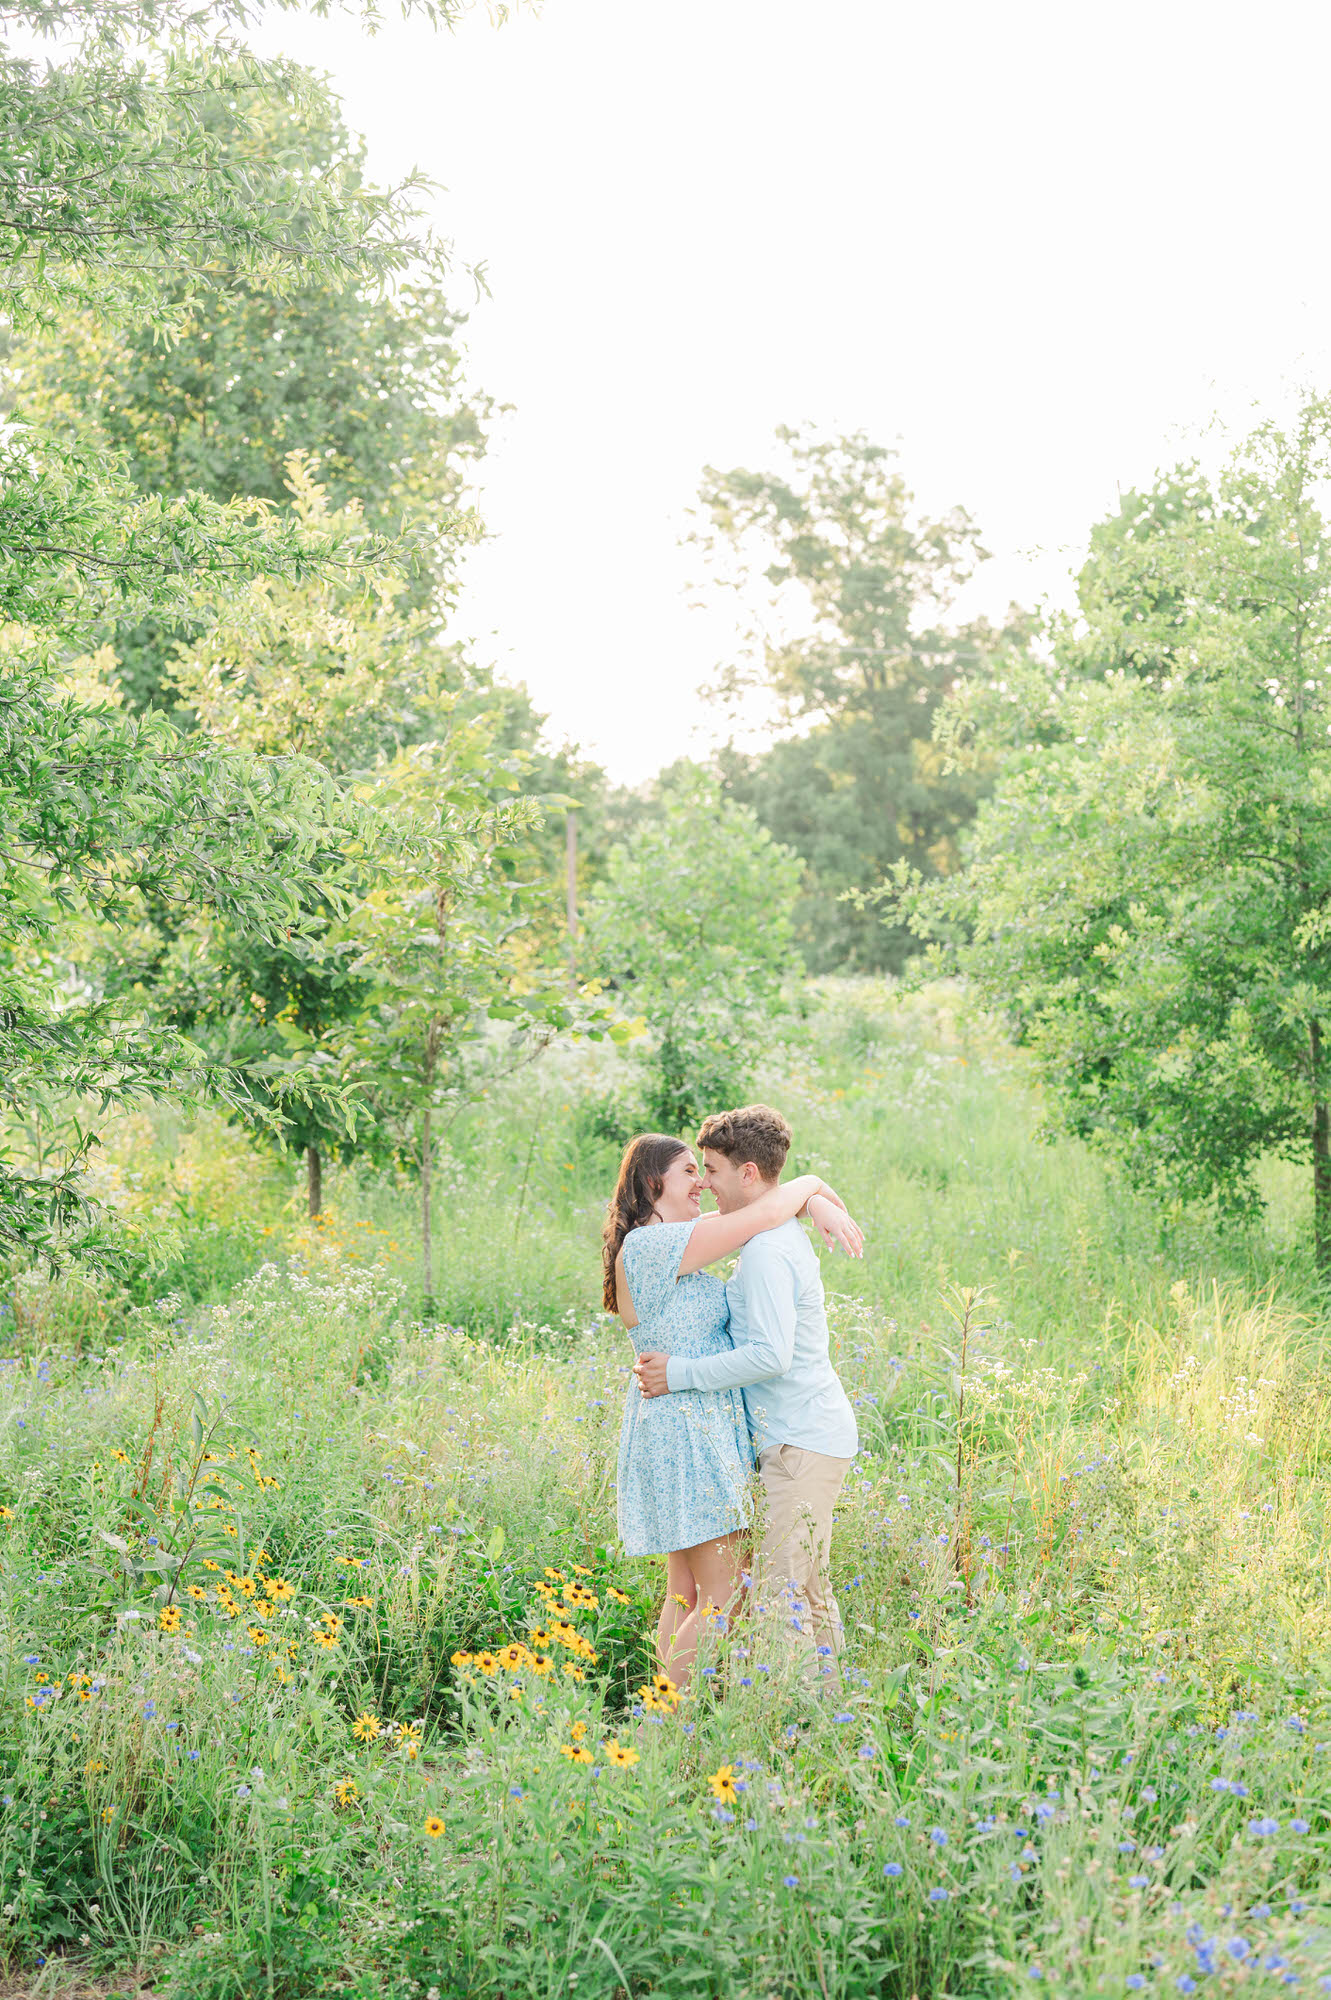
(685, 1461)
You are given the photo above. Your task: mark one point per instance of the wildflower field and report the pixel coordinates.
(323, 1673)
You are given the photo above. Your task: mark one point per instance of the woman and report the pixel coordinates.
(685, 1462)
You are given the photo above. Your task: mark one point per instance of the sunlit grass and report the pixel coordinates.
(1081, 1741)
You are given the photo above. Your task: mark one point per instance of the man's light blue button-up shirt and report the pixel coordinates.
(780, 1355)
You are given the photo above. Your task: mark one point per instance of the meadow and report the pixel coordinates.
(323, 1674)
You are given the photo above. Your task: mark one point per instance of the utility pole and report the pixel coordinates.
(571, 893)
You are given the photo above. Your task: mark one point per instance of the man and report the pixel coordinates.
(802, 1425)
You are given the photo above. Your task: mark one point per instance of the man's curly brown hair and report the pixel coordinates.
(754, 1132)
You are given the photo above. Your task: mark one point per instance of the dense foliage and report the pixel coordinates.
(156, 201)
(692, 922)
(1147, 891)
(849, 587)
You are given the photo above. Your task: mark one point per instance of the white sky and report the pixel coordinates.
(1032, 242)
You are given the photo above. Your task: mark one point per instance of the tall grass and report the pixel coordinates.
(1081, 1742)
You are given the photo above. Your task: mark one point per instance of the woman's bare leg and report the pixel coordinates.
(717, 1569)
(681, 1599)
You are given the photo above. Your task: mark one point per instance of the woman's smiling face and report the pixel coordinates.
(681, 1186)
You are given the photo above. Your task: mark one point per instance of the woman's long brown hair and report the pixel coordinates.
(642, 1172)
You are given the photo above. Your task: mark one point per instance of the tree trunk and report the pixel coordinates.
(314, 1179)
(427, 1245)
(1321, 1154)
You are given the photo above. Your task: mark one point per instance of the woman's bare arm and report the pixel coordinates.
(715, 1236)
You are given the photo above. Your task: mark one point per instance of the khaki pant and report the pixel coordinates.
(793, 1581)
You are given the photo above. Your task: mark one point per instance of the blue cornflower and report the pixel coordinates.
(194, 1756)
(1035, 1972)
(902, 1819)
(1127, 1847)
(1262, 1827)
(1135, 1981)
(843, 1715)
(867, 1750)
(1186, 1983)
(790, 1881)
(1138, 1881)
(938, 1895)
(892, 1868)
(1239, 1948)
(938, 1836)
(1298, 1826)
(515, 1791)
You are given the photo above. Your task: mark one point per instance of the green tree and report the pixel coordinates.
(320, 667)
(129, 185)
(851, 587)
(365, 377)
(692, 924)
(1148, 891)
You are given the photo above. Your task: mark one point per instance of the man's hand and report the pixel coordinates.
(650, 1370)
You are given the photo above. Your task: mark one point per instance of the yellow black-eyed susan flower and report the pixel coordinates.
(366, 1726)
(619, 1754)
(575, 1753)
(434, 1826)
(487, 1663)
(619, 1596)
(169, 1618)
(722, 1785)
(197, 1592)
(279, 1589)
(346, 1792)
(461, 1659)
(555, 1575)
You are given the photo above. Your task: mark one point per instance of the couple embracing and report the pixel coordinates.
(726, 1375)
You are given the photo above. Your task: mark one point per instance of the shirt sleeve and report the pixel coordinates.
(652, 1257)
(770, 1301)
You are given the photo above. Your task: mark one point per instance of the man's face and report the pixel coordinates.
(733, 1185)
